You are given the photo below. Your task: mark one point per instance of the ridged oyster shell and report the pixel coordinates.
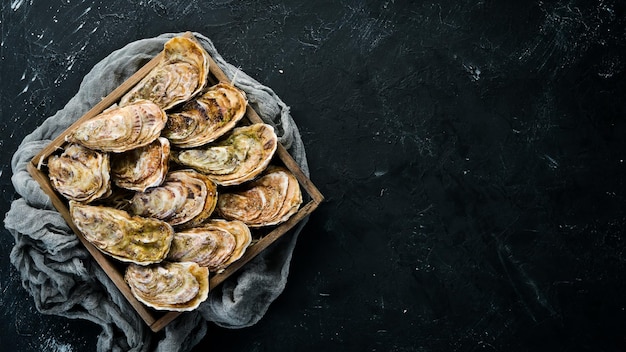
(243, 238)
(80, 174)
(169, 286)
(207, 117)
(240, 157)
(127, 238)
(214, 244)
(186, 198)
(141, 168)
(181, 74)
(269, 200)
(119, 129)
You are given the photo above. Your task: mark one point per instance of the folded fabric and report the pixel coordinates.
(62, 277)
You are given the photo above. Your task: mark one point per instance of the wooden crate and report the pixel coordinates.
(157, 320)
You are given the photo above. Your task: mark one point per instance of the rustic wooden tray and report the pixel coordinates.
(157, 320)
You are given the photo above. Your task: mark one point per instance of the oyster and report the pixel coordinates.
(127, 238)
(240, 157)
(181, 74)
(169, 286)
(214, 244)
(242, 234)
(270, 200)
(207, 117)
(208, 246)
(119, 129)
(141, 168)
(186, 198)
(80, 174)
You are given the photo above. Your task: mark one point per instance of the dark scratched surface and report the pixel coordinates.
(472, 153)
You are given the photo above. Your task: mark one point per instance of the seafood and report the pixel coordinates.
(269, 200)
(127, 238)
(214, 244)
(207, 117)
(119, 129)
(80, 174)
(238, 158)
(169, 286)
(141, 168)
(181, 74)
(186, 198)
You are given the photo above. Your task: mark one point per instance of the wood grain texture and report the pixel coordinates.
(157, 320)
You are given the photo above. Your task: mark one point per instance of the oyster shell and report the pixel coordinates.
(169, 286)
(214, 244)
(141, 168)
(119, 129)
(208, 246)
(207, 117)
(240, 157)
(181, 74)
(269, 200)
(186, 198)
(80, 174)
(127, 238)
(242, 234)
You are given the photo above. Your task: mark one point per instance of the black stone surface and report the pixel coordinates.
(472, 154)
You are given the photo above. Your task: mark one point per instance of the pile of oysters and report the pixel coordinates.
(168, 181)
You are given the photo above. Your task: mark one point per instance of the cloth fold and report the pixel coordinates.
(62, 277)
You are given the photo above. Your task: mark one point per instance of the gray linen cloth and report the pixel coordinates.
(62, 277)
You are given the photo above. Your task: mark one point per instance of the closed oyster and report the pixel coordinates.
(240, 157)
(270, 200)
(141, 168)
(127, 238)
(214, 244)
(119, 129)
(80, 174)
(207, 117)
(242, 234)
(186, 198)
(181, 74)
(169, 286)
(208, 246)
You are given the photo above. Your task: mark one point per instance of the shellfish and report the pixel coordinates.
(127, 238)
(141, 168)
(181, 74)
(214, 244)
(240, 157)
(207, 117)
(169, 286)
(119, 129)
(80, 174)
(186, 198)
(269, 200)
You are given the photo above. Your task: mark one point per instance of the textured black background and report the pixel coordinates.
(472, 154)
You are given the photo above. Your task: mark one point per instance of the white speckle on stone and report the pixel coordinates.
(50, 344)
